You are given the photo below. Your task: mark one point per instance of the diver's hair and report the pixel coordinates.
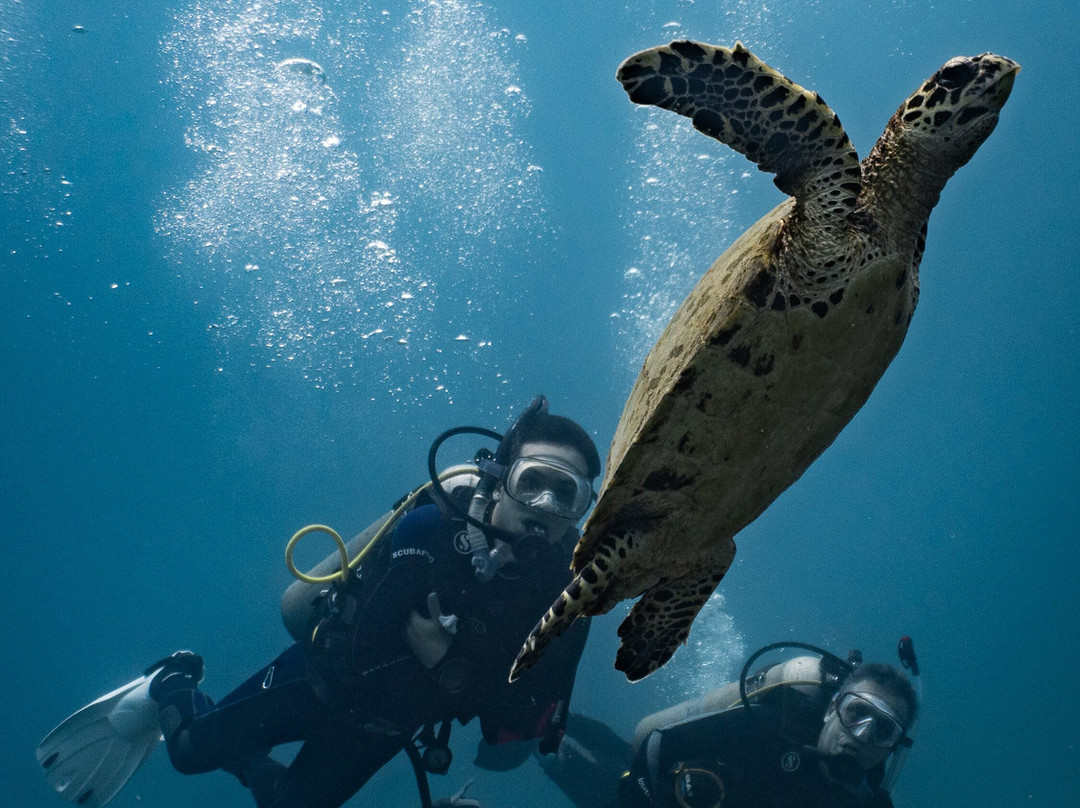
(889, 678)
(556, 429)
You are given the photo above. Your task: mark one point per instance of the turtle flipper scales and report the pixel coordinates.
(660, 622)
(733, 96)
(587, 594)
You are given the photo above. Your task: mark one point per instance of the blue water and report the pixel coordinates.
(241, 296)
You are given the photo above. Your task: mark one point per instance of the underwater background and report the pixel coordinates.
(242, 294)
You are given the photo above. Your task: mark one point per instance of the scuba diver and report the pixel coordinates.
(421, 633)
(811, 732)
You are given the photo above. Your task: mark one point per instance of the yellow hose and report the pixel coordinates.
(343, 551)
(319, 579)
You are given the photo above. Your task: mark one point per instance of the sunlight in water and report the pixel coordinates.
(338, 169)
(683, 188)
(676, 230)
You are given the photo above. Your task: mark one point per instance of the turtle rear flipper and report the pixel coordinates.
(733, 96)
(660, 622)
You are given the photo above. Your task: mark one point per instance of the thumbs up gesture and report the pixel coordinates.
(429, 638)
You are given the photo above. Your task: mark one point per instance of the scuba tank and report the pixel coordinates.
(805, 678)
(301, 600)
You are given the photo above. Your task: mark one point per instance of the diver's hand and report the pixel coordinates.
(429, 638)
(459, 800)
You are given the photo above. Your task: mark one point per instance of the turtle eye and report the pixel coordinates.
(956, 74)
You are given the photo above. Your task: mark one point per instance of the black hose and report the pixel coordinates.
(419, 772)
(433, 471)
(539, 405)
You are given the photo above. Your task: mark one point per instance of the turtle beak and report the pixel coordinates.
(1008, 79)
(1003, 75)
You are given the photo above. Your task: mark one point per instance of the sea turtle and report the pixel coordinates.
(781, 341)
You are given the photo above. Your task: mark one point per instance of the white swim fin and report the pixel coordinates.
(89, 757)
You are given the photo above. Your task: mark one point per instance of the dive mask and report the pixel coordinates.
(865, 712)
(550, 486)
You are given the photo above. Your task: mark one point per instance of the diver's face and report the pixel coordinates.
(520, 519)
(867, 725)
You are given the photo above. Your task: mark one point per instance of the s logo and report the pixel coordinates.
(790, 761)
(461, 543)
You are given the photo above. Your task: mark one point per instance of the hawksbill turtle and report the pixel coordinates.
(782, 340)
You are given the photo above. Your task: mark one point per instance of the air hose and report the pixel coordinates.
(348, 565)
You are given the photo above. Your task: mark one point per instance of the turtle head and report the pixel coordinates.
(956, 109)
(934, 132)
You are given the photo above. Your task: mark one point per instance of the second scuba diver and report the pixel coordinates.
(806, 733)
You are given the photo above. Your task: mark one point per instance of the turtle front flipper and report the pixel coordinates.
(580, 597)
(588, 594)
(660, 622)
(733, 96)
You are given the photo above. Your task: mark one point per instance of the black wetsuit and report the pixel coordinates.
(357, 694)
(737, 760)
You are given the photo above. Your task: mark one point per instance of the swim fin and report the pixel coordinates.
(89, 757)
